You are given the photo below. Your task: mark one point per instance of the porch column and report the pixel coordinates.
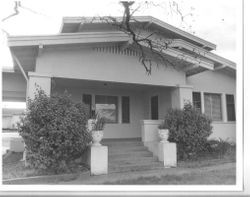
(180, 95)
(42, 81)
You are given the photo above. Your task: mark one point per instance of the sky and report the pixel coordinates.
(213, 20)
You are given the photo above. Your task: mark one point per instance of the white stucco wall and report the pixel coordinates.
(221, 83)
(105, 66)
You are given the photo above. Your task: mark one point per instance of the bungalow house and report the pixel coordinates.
(99, 65)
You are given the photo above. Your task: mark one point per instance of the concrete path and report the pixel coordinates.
(114, 177)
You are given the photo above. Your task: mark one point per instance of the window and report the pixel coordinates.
(125, 110)
(213, 106)
(230, 107)
(154, 107)
(87, 100)
(106, 106)
(197, 101)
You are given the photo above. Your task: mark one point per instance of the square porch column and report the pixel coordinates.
(180, 95)
(42, 81)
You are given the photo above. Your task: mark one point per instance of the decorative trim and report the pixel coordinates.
(115, 49)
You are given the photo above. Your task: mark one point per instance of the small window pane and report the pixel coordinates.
(197, 101)
(125, 110)
(106, 106)
(230, 108)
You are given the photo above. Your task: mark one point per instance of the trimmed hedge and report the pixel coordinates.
(54, 131)
(189, 129)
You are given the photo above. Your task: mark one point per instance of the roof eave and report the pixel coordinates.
(156, 21)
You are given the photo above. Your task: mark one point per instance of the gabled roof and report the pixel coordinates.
(28, 48)
(72, 24)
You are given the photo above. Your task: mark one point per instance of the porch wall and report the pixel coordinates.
(117, 130)
(164, 102)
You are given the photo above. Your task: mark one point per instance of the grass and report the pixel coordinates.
(207, 169)
(13, 167)
(216, 177)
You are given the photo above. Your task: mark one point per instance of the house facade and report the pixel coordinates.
(99, 65)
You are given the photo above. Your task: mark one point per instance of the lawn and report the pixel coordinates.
(13, 167)
(204, 170)
(201, 177)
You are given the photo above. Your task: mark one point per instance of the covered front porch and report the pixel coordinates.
(123, 105)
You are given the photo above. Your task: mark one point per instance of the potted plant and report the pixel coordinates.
(97, 126)
(163, 132)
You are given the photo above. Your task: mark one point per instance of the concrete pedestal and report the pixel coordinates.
(98, 160)
(167, 154)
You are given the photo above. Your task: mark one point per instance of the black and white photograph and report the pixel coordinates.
(123, 97)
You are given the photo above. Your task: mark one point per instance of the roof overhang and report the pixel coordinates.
(28, 48)
(143, 19)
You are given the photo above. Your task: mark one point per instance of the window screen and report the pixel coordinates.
(197, 101)
(154, 107)
(125, 110)
(230, 107)
(86, 99)
(213, 106)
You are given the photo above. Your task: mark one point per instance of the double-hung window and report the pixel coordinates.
(197, 101)
(212, 103)
(230, 107)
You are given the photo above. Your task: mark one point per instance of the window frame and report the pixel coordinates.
(122, 109)
(200, 101)
(211, 106)
(234, 114)
(116, 104)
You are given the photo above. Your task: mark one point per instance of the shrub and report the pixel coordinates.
(189, 129)
(54, 131)
(220, 148)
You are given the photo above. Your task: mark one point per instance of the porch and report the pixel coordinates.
(123, 105)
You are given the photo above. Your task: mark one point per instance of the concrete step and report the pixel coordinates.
(115, 143)
(124, 161)
(126, 155)
(130, 155)
(131, 168)
(126, 149)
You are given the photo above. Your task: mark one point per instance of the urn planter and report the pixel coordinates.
(97, 136)
(163, 134)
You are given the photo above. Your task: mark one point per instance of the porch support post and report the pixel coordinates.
(180, 95)
(37, 80)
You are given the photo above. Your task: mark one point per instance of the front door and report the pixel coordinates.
(154, 108)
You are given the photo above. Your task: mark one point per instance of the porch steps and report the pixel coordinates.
(129, 155)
